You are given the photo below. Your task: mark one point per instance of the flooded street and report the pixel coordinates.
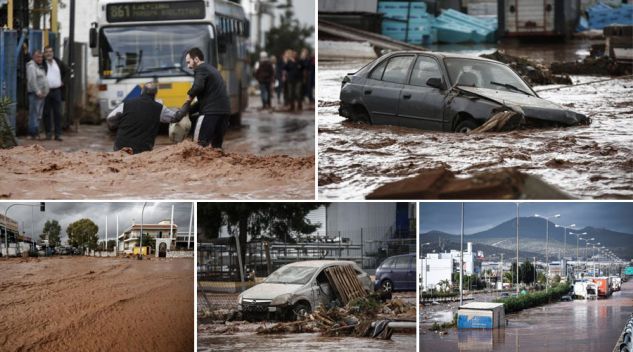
(261, 133)
(594, 161)
(300, 342)
(564, 326)
(96, 304)
(271, 156)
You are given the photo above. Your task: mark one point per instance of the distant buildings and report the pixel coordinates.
(164, 233)
(438, 267)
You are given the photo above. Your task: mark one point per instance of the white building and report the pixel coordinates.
(437, 267)
(166, 239)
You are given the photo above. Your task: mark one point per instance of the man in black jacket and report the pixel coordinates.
(137, 120)
(56, 73)
(213, 101)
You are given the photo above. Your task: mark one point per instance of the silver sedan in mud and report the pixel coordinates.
(294, 290)
(444, 92)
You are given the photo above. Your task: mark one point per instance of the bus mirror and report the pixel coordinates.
(93, 36)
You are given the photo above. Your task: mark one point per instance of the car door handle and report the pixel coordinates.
(406, 96)
(368, 91)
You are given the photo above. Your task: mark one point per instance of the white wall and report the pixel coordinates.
(435, 270)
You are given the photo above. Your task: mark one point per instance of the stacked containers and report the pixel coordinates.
(406, 21)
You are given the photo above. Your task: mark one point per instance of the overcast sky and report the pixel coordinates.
(68, 212)
(479, 216)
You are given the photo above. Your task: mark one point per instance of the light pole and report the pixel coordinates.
(546, 245)
(517, 248)
(422, 245)
(141, 238)
(578, 236)
(461, 261)
(565, 237)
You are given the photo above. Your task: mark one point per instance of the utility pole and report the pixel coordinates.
(71, 64)
(461, 261)
(517, 248)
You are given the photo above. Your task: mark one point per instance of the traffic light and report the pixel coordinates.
(42, 206)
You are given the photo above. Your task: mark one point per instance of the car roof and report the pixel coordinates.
(441, 55)
(320, 263)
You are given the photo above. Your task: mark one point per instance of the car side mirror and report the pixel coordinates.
(435, 82)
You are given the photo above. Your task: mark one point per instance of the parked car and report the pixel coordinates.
(294, 290)
(396, 273)
(443, 92)
(566, 298)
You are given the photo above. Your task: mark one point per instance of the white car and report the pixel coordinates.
(294, 290)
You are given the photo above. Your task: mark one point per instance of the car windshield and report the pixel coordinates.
(148, 51)
(485, 74)
(299, 275)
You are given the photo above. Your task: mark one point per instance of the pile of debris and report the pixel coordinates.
(361, 317)
(533, 73)
(599, 66)
(361, 314)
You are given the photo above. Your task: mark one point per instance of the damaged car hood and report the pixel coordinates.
(269, 290)
(531, 106)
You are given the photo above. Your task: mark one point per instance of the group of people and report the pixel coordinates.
(137, 120)
(291, 77)
(45, 75)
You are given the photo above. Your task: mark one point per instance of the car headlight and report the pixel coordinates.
(281, 300)
(239, 299)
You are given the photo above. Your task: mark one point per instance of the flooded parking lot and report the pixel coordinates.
(564, 326)
(592, 161)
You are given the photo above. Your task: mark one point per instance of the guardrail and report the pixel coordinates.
(625, 342)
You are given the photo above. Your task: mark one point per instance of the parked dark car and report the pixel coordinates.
(397, 273)
(443, 92)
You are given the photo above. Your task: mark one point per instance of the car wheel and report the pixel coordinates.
(386, 285)
(362, 116)
(300, 310)
(466, 126)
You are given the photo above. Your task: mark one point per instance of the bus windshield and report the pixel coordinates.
(149, 51)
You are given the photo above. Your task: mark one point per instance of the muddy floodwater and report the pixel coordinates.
(249, 341)
(96, 304)
(576, 326)
(270, 157)
(594, 161)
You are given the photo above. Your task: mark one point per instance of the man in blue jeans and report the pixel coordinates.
(55, 73)
(213, 102)
(37, 87)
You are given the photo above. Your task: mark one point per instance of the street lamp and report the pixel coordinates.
(461, 261)
(577, 237)
(518, 204)
(547, 244)
(422, 245)
(565, 237)
(141, 238)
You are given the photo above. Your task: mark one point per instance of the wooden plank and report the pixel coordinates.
(345, 283)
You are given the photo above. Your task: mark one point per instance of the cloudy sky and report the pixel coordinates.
(479, 216)
(68, 212)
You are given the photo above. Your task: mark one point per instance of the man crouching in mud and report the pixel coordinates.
(137, 120)
(213, 102)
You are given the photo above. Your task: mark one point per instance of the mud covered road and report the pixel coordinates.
(180, 171)
(96, 304)
(593, 161)
(270, 157)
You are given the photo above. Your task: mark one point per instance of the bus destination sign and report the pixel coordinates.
(155, 11)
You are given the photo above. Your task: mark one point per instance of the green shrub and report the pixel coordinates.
(534, 299)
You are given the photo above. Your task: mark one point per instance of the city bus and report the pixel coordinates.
(140, 41)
